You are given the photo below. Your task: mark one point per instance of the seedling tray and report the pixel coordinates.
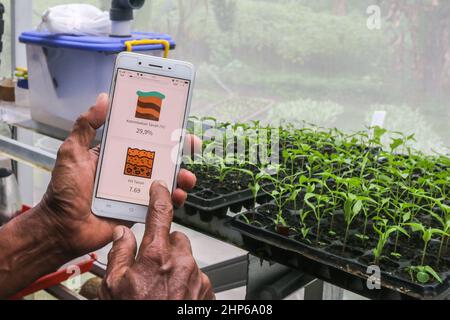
(208, 202)
(347, 273)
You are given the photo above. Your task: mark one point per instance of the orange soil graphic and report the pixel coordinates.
(149, 105)
(139, 163)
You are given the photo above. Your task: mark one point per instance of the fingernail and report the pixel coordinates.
(100, 98)
(118, 233)
(162, 183)
(193, 176)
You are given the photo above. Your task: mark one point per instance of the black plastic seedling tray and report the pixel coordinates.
(347, 273)
(219, 204)
(209, 202)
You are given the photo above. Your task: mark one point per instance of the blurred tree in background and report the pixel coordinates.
(325, 39)
(225, 12)
(420, 36)
(289, 34)
(306, 54)
(323, 50)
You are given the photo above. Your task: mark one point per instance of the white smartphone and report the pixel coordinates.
(143, 135)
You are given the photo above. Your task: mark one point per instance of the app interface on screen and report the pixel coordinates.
(145, 112)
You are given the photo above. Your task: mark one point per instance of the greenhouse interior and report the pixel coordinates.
(225, 150)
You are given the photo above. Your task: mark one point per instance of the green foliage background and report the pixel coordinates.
(294, 50)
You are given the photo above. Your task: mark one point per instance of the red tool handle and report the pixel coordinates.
(55, 278)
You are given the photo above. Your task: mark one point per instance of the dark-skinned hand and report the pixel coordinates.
(67, 201)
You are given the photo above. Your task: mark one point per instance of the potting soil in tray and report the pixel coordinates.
(322, 257)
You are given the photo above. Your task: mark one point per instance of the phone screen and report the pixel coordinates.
(146, 118)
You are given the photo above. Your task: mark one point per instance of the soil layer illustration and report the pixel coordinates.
(139, 163)
(149, 105)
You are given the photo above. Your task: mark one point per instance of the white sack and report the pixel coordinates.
(76, 19)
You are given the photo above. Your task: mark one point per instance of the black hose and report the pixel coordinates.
(122, 10)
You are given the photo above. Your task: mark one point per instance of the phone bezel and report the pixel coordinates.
(154, 65)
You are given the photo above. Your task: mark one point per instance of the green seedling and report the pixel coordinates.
(352, 207)
(316, 207)
(304, 231)
(427, 235)
(278, 196)
(384, 231)
(423, 274)
(387, 186)
(445, 223)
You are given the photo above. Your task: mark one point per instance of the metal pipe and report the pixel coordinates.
(30, 155)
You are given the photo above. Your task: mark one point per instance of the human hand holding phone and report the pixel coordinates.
(143, 133)
(67, 201)
(164, 268)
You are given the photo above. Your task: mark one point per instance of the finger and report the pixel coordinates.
(195, 285)
(180, 242)
(121, 256)
(192, 145)
(207, 289)
(96, 150)
(186, 179)
(159, 214)
(179, 197)
(85, 127)
(103, 292)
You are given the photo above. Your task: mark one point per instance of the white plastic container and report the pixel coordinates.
(66, 73)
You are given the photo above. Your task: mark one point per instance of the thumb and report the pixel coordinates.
(85, 127)
(120, 257)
